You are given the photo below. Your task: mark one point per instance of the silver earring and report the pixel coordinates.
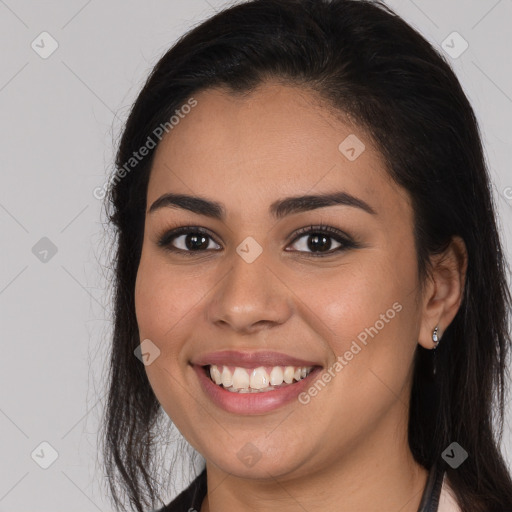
(435, 337)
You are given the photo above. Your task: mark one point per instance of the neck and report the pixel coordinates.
(378, 474)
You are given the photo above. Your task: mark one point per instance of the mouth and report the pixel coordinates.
(261, 379)
(253, 382)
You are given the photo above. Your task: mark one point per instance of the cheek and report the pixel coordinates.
(162, 301)
(353, 301)
(162, 298)
(369, 312)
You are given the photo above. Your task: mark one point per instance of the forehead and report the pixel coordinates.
(274, 141)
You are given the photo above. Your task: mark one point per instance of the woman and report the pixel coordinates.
(308, 270)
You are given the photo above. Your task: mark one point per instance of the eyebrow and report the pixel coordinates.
(279, 209)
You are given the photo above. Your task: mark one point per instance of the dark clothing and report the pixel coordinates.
(191, 498)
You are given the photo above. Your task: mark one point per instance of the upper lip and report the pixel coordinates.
(250, 359)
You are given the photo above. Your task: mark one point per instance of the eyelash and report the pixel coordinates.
(340, 237)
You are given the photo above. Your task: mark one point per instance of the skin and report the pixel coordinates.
(345, 450)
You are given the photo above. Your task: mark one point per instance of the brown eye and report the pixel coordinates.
(187, 240)
(319, 241)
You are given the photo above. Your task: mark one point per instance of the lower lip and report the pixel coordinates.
(252, 403)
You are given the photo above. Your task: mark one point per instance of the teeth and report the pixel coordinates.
(240, 378)
(276, 376)
(226, 377)
(257, 380)
(288, 374)
(215, 375)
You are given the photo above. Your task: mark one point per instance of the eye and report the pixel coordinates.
(187, 240)
(318, 240)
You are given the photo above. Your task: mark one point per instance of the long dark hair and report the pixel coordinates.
(365, 61)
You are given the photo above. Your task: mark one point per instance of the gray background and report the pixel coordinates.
(61, 116)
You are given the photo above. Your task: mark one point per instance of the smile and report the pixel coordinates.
(253, 382)
(256, 380)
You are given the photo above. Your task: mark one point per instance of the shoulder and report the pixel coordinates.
(447, 500)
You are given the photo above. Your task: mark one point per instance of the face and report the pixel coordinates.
(249, 288)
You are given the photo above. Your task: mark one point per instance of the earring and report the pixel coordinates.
(435, 337)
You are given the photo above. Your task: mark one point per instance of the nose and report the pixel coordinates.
(249, 298)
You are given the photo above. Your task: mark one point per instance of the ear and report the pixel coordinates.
(443, 291)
